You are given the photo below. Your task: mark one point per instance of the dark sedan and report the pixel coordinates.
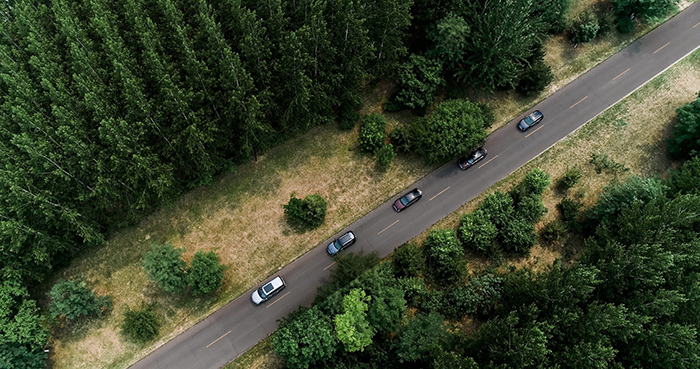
(408, 199)
(466, 162)
(530, 120)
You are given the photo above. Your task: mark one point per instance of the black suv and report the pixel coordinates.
(530, 120)
(466, 162)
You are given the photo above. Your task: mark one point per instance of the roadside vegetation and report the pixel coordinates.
(89, 186)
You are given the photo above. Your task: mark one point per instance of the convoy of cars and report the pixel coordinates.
(347, 239)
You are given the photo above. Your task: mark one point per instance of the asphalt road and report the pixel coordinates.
(238, 326)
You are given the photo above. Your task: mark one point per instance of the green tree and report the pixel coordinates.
(530, 208)
(421, 338)
(385, 155)
(73, 299)
(648, 9)
(444, 256)
(205, 273)
(315, 207)
(164, 266)
(408, 260)
(141, 325)
(352, 327)
(306, 339)
(348, 267)
(535, 78)
(476, 231)
(387, 310)
(518, 236)
(502, 36)
(419, 77)
(387, 22)
(553, 14)
(685, 180)
(456, 127)
(620, 195)
(498, 207)
(372, 133)
(686, 133)
(569, 179)
(449, 39)
(585, 27)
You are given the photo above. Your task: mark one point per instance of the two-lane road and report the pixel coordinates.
(238, 326)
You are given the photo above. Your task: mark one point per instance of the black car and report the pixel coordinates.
(466, 162)
(530, 120)
(341, 243)
(408, 199)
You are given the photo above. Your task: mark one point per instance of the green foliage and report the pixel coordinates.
(535, 78)
(530, 208)
(352, 327)
(685, 142)
(348, 116)
(625, 24)
(372, 134)
(449, 38)
(584, 28)
(73, 298)
(647, 9)
(569, 209)
(165, 267)
(205, 273)
(498, 207)
(384, 157)
(456, 127)
(401, 138)
(502, 36)
(686, 179)
(348, 267)
(444, 256)
(305, 340)
(141, 325)
(14, 356)
(603, 162)
(415, 289)
(20, 321)
(387, 310)
(553, 13)
(554, 232)
(518, 236)
(476, 231)
(419, 77)
(535, 182)
(309, 212)
(421, 338)
(408, 260)
(569, 179)
(617, 196)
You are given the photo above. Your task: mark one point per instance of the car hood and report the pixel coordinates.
(255, 297)
(523, 125)
(331, 248)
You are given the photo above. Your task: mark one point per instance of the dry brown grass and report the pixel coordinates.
(241, 217)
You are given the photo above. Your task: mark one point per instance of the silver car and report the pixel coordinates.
(270, 289)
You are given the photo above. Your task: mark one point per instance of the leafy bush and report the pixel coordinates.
(384, 157)
(625, 24)
(141, 325)
(372, 134)
(535, 79)
(686, 180)
(458, 301)
(352, 327)
(569, 209)
(444, 256)
(498, 207)
(553, 14)
(569, 179)
(205, 273)
(348, 116)
(419, 77)
(685, 142)
(530, 208)
(456, 127)
(408, 260)
(554, 232)
(619, 195)
(518, 236)
(400, 137)
(487, 289)
(603, 162)
(305, 339)
(164, 266)
(73, 299)
(308, 212)
(535, 182)
(476, 231)
(393, 105)
(415, 288)
(585, 27)
(348, 267)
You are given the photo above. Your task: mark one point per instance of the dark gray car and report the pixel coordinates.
(341, 243)
(530, 120)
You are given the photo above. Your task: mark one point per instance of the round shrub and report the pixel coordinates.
(372, 134)
(518, 236)
(476, 231)
(408, 260)
(554, 232)
(444, 256)
(585, 27)
(205, 273)
(535, 79)
(384, 157)
(530, 208)
(498, 206)
(569, 209)
(569, 179)
(315, 207)
(141, 325)
(73, 299)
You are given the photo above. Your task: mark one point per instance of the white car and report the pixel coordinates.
(270, 289)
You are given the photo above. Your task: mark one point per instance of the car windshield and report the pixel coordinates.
(337, 244)
(262, 293)
(405, 200)
(528, 120)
